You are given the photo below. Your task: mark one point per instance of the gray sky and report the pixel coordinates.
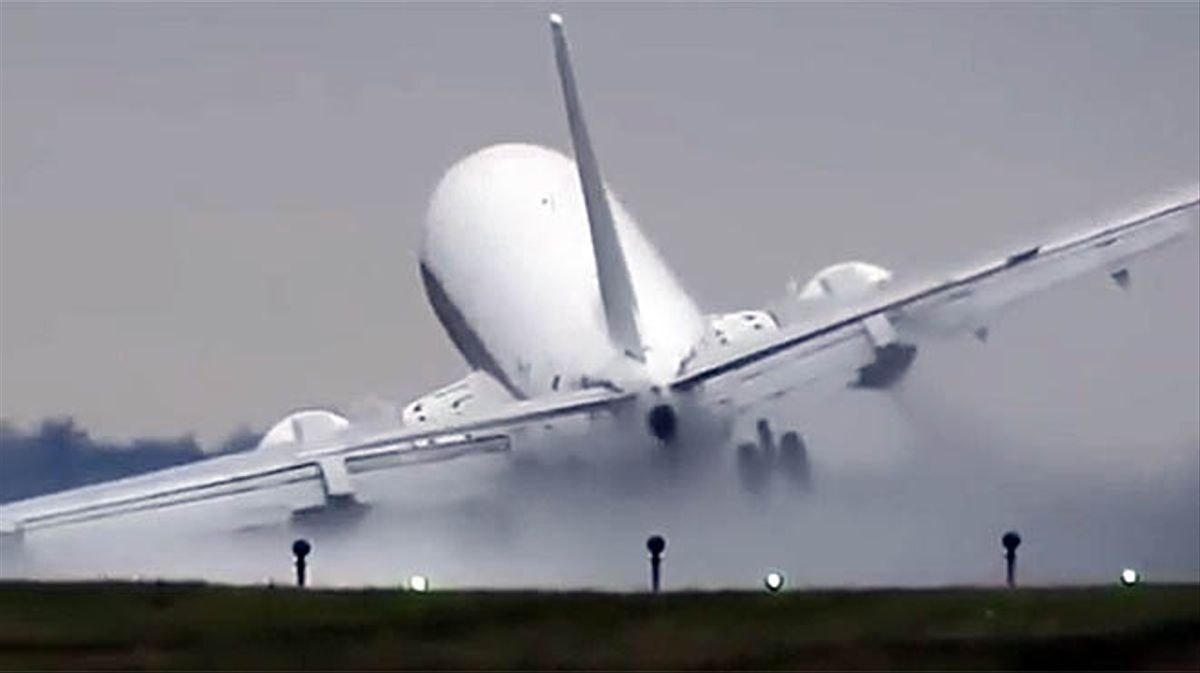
(210, 213)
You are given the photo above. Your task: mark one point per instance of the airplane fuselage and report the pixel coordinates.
(508, 267)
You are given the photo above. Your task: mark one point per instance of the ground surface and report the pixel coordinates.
(149, 626)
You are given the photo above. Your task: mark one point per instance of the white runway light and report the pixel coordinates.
(1130, 577)
(418, 583)
(773, 581)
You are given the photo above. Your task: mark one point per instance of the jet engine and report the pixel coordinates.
(474, 391)
(306, 426)
(848, 280)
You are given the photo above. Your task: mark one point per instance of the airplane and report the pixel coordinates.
(567, 316)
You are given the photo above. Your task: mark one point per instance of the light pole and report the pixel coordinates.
(300, 549)
(1011, 540)
(655, 545)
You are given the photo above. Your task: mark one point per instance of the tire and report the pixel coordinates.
(793, 460)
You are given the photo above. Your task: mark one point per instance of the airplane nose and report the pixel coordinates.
(662, 422)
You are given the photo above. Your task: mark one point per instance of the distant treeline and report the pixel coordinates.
(59, 455)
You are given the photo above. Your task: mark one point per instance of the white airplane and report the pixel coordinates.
(568, 317)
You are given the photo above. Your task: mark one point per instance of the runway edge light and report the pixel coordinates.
(1130, 577)
(773, 581)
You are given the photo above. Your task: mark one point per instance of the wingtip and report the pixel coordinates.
(556, 19)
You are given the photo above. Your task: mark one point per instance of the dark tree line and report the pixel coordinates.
(59, 455)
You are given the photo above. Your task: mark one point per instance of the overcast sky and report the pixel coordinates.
(210, 213)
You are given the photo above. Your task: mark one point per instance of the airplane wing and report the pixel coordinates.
(308, 475)
(860, 343)
(865, 342)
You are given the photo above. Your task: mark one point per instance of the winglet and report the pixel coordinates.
(616, 288)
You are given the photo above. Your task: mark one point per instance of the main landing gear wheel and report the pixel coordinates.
(757, 461)
(793, 460)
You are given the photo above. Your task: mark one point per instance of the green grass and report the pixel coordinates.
(180, 626)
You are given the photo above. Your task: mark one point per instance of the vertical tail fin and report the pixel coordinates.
(616, 288)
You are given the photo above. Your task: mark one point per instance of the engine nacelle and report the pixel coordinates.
(739, 327)
(304, 427)
(475, 390)
(848, 280)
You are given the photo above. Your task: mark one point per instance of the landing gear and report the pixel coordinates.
(793, 460)
(757, 461)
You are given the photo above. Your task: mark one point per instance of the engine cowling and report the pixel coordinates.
(739, 327)
(847, 280)
(851, 281)
(474, 391)
(303, 427)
